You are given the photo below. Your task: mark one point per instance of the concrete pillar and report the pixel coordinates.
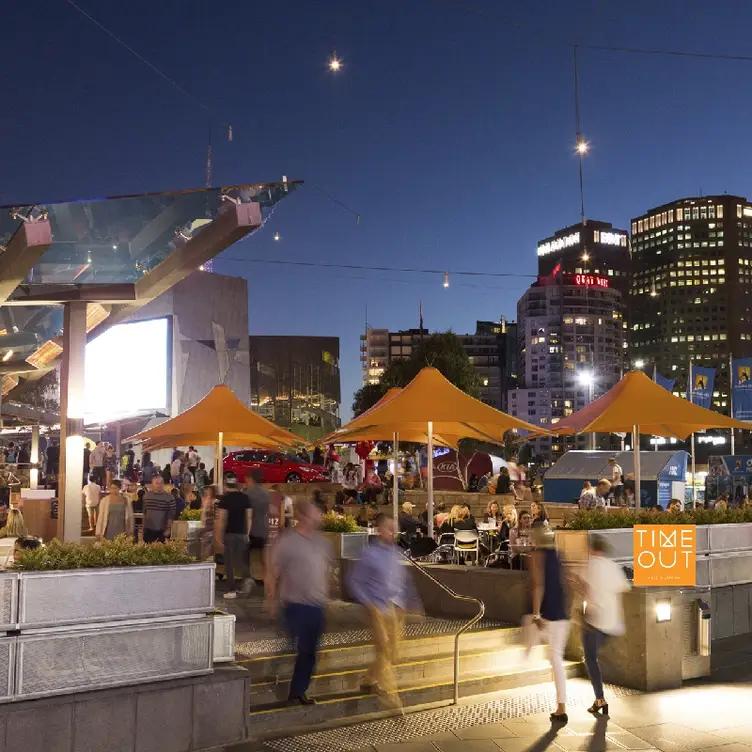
(34, 458)
(71, 422)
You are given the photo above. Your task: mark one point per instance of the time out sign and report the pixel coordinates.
(665, 555)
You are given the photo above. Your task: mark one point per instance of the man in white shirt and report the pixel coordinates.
(91, 493)
(604, 584)
(617, 484)
(193, 460)
(96, 462)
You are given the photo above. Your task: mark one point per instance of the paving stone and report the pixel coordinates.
(586, 743)
(673, 737)
(538, 743)
(485, 731)
(628, 740)
(413, 746)
(740, 734)
(468, 745)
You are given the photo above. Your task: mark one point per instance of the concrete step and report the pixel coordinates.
(355, 707)
(434, 669)
(340, 657)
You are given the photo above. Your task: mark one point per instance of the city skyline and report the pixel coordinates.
(468, 163)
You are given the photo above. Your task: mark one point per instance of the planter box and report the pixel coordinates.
(185, 529)
(61, 661)
(83, 596)
(224, 637)
(347, 545)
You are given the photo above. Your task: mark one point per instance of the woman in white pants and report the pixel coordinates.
(550, 613)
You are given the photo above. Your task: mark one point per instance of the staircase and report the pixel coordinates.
(491, 660)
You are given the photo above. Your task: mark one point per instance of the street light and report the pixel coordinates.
(335, 64)
(446, 279)
(639, 364)
(586, 256)
(582, 146)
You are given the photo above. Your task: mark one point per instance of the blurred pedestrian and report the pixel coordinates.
(381, 583)
(550, 615)
(604, 585)
(91, 493)
(259, 531)
(234, 522)
(298, 583)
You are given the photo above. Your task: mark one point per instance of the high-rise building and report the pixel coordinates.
(571, 347)
(691, 291)
(492, 350)
(295, 382)
(589, 247)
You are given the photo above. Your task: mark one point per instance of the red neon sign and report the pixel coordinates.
(590, 280)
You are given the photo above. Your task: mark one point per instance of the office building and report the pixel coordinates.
(571, 347)
(492, 350)
(691, 291)
(589, 247)
(295, 382)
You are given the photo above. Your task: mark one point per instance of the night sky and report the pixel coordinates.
(449, 129)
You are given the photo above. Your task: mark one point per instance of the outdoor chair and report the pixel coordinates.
(466, 543)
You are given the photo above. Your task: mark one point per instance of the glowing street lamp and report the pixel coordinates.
(277, 236)
(639, 364)
(335, 64)
(446, 279)
(586, 256)
(582, 147)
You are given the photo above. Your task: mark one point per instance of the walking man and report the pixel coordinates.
(298, 582)
(617, 484)
(381, 582)
(159, 511)
(235, 522)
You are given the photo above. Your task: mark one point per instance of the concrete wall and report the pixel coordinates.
(184, 715)
(731, 609)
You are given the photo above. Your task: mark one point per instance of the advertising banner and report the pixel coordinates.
(665, 555)
(666, 383)
(741, 384)
(701, 388)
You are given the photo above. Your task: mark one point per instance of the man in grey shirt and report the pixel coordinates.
(259, 505)
(298, 582)
(159, 512)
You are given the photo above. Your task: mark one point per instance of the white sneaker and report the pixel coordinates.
(230, 596)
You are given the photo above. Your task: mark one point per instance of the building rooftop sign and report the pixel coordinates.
(558, 244)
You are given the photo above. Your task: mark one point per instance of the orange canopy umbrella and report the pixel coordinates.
(638, 405)
(430, 403)
(219, 418)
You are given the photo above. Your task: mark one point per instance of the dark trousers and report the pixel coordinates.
(154, 536)
(592, 642)
(305, 624)
(236, 558)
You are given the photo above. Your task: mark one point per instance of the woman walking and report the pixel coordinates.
(550, 612)
(604, 584)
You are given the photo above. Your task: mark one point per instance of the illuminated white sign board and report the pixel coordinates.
(747, 211)
(558, 244)
(611, 238)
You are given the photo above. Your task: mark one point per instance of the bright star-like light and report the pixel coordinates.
(277, 236)
(335, 64)
(639, 363)
(586, 256)
(582, 147)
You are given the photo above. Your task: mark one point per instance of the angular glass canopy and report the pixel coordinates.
(119, 239)
(101, 242)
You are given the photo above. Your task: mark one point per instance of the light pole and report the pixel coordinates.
(587, 378)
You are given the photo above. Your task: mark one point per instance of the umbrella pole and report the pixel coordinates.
(429, 480)
(395, 482)
(219, 475)
(636, 449)
(694, 487)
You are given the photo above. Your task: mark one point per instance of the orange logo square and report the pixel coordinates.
(665, 555)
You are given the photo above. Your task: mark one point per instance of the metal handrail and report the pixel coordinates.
(463, 628)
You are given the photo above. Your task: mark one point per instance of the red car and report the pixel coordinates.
(275, 467)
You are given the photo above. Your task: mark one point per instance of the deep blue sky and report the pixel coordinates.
(450, 130)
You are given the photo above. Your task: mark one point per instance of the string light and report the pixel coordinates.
(446, 279)
(335, 64)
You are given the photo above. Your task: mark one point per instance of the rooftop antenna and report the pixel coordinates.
(581, 145)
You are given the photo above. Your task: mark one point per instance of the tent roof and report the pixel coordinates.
(432, 397)
(638, 401)
(590, 465)
(219, 410)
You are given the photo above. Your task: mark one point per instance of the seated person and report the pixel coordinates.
(408, 522)
(587, 496)
(522, 532)
(539, 514)
(492, 513)
(440, 515)
(508, 523)
(447, 526)
(465, 520)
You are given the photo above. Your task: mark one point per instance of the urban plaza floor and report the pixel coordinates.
(712, 714)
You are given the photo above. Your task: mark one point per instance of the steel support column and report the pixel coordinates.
(70, 480)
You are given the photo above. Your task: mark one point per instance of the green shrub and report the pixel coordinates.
(620, 518)
(120, 552)
(190, 515)
(334, 523)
